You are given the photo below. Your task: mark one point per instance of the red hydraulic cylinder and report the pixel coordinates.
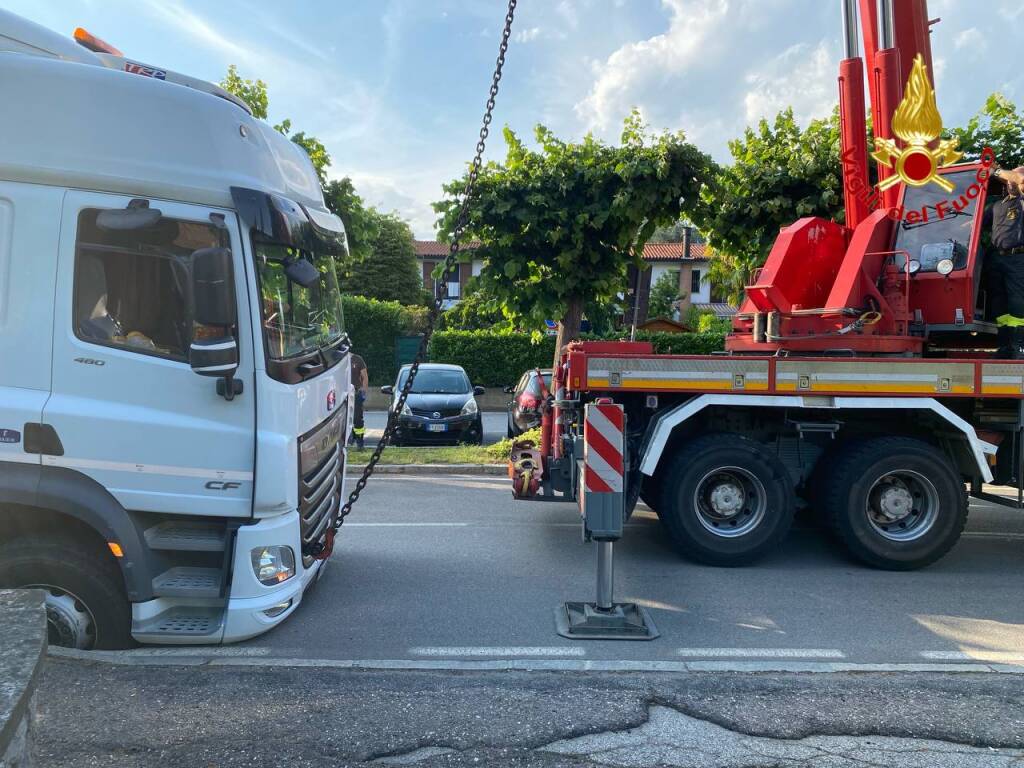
(886, 93)
(852, 122)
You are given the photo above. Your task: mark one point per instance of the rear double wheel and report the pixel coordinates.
(894, 502)
(725, 499)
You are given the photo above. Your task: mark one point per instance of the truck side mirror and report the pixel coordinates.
(213, 290)
(217, 358)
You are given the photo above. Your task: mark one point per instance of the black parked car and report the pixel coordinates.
(441, 407)
(524, 408)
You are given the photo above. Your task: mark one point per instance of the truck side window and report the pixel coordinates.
(132, 285)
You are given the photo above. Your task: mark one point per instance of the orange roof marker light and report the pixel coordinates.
(115, 549)
(93, 43)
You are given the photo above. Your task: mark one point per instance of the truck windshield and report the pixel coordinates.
(297, 320)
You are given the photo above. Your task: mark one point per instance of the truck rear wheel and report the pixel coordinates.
(86, 604)
(895, 503)
(726, 500)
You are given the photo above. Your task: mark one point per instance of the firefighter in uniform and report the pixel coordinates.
(361, 382)
(1007, 263)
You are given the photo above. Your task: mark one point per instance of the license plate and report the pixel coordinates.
(437, 427)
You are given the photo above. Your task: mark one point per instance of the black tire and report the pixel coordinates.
(85, 580)
(917, 473)
(759, 524)
(510, 430)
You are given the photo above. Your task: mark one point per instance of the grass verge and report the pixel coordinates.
(442, 454)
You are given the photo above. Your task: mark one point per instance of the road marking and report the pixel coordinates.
(500, 651)
(991, 535)
(765, 653)
(997, 657)
(407, 525)
(531, 665)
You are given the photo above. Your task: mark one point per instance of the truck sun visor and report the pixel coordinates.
(275, 219)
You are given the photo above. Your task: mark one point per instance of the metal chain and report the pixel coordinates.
(450, 262)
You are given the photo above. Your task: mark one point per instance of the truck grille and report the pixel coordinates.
(322, 468)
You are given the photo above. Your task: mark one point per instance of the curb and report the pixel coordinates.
(496, 470)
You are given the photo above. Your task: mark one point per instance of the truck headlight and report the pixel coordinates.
(470, 407)
(272, 565)
(944, 267)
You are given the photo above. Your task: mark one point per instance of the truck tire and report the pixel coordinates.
(895, 503)
(726, 500)
(86, 604)
(651, 488)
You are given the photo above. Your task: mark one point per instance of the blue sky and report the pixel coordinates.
(395, 88)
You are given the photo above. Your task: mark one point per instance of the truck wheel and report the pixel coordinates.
(896, 503)
(651, 488)
(726, 500)
(86, 604)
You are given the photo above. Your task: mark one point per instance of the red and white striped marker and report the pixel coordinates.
(604, 444)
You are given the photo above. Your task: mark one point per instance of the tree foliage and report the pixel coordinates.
(664, 294)
(780, 173)
(391, 274)
(998, 125)
(557, 225)
(362, 224)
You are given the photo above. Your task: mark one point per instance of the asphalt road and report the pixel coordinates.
(453, 568)
(495, 426)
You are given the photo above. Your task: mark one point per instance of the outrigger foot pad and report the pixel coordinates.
(623, 621)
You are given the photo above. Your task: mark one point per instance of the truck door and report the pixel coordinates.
(126, 407)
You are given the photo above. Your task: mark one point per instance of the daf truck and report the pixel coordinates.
(174, 368)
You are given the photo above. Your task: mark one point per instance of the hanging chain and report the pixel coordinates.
(451, 262)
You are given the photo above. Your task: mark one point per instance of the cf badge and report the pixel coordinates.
(331, 400)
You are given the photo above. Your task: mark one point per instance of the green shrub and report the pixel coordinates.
(373, 327)
(491, 358)
(496, 359)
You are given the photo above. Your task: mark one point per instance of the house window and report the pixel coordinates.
(453, 289)
(695, 281)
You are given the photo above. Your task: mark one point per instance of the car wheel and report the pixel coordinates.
(726, 500)
(895, 503)
(86, 604)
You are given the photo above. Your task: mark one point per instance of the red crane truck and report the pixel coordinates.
(860, 377)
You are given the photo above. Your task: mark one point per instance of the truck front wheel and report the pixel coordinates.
(726, 500)
(895, 503)
(86, 604)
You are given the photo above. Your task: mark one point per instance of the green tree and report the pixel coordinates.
(362, 224)
(780, 173)
(476, 311)
(391, 273)
(998, 125)
(558, 225)
(664, 294)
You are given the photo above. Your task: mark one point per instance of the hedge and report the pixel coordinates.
(373, 327)
(494, 358)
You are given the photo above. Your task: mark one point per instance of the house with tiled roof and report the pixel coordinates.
(687, 260)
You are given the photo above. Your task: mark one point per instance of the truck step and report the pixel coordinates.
(184, 581)
(186, 536)
(181, 625)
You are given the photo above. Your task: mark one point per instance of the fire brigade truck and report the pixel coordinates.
(860, 379)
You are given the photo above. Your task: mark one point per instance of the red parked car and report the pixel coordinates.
(524, 408)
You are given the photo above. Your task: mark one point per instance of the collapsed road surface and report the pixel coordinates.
(97, 714)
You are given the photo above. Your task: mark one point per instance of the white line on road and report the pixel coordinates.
(762, 653)
(991, 535)
(507, 652)
(999, 657)
(407, 525)
(532, 665)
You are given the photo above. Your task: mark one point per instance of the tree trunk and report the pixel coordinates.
(569, 327)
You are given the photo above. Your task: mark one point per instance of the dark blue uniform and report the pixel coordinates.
(1006, 269)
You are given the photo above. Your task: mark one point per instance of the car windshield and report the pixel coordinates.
(434, 381)
(533, 387)
(297, 320)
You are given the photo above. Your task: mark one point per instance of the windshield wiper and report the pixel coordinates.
(951, 215)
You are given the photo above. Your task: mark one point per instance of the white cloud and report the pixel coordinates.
(800, 77)
(527, 35)
(969, 38)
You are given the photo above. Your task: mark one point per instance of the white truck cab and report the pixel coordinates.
(174, 371)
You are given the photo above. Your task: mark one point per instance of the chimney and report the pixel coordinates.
(687, 240)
